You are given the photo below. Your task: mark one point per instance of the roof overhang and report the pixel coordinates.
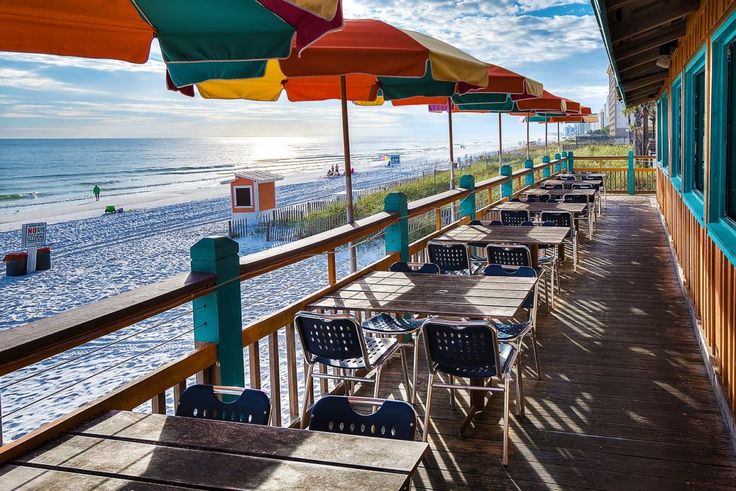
(640, 37)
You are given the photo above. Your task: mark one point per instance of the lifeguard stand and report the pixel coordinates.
(252, 192)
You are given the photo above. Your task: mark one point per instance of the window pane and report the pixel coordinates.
(676, 130)
(242, 197)
(699, 164)
(731, 136)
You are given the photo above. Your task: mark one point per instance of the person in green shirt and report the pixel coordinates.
(96, 192)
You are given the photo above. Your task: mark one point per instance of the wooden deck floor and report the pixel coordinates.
(624, 401)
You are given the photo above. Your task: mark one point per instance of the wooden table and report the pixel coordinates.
(590, 193)
(438, 295)
(567, 184)
(129, 450)
(531, 237)
(441, 295)
(580, 175)
(538, 207)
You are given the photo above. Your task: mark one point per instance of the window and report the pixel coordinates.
(243, 198)
(676, 160)
(662, 127)
(698, 175)
(730, 208)
(693, 156)
(722, 176)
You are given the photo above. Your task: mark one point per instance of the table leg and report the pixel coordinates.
(534, 249)
(561, 252)
(477, 403)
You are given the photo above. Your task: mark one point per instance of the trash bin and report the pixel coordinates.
(43, 258)
(15, 263)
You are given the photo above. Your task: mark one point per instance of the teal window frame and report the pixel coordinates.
(693, 198)
(662, 127)
(721, 228)
(676, 111)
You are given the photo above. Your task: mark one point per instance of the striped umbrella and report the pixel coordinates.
(199, 40)
(352, 65)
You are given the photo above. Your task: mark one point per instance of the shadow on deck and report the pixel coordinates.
(624, 401)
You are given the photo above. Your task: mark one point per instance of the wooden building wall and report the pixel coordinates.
(709, 276)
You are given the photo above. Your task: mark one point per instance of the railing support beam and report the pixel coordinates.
(507, 188)
(570, 162)
(397, 234)
(467, 204)
(217, 316)
(547, 171)
(558, 164)
(631, 180)
(529, 178)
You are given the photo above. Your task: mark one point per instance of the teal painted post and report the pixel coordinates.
(570, 162)
(632, 188)
(547, 171)
(467, 204)
(507, 188)
(217, 316)
(529, 178)
(558, 164)
(397, 234)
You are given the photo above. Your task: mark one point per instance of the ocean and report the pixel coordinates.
(51, 172)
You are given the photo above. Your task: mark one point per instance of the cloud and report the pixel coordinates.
(31, 80)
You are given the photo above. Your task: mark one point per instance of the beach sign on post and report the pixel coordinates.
(33, 237)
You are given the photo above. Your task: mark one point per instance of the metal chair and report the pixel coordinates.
(514, 332)
(519, 255)
(582, 198)
(470, 349)
(549, 185)
(395, 420)
(514, 217)
(601, 186)
(406, 331)
(583, 185)
(199, 401)
(564, 219)
(337, 341)
(567, 177)
(450, 257)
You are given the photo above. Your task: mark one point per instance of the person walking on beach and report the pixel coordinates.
(96, 192)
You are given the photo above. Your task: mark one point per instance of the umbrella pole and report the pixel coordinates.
(527, 138)
(452, 144)
(546, 134)
(348, 167)
(500, 144)
(559, 144)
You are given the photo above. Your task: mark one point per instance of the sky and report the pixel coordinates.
(556, 42)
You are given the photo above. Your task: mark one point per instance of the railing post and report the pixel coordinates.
(558, 164)
(217, 316)
(529, 178)
(570, 162)
(632, 187)
(397, 234)
(547, 171)
(467, 204)
(507, 188)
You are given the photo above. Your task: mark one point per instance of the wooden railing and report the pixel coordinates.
(618, 177)
(20, 347)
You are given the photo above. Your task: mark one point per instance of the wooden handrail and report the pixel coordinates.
(29, 343)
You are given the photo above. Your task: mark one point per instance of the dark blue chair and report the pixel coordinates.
(564, 219)
(532, 198)
(450, 257)
(549, 185)
(567, 177)
(405, 330)
(508, 255)
(199, 401)
(424, 268)
(514, 332)
(470, 349)
(588, 213)
(337, 340)
(514, 217)
(496, 222)
(395, 420)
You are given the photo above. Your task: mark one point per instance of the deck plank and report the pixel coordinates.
(624, 401)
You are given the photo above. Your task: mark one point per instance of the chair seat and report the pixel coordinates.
(509, 332)
(505, 353)
(378, 350)
(385, 324)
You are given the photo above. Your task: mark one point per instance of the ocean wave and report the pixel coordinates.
(17, 196)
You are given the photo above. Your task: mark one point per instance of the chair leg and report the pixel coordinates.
(505, 457)
(377, 382)
(405, 370)
(546, 293)
(452, 392)
(535, 350)
(308, 387)
(415, 369)
(428, 407)
(519, 386)
(575, 253)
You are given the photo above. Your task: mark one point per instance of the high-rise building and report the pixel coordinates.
(616, 122)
